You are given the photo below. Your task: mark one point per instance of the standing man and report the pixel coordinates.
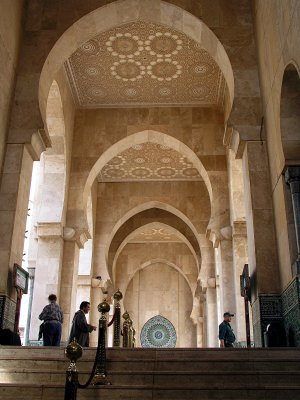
(53, 317)
(226, 335)
(80, 328)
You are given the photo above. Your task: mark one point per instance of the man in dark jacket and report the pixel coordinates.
(226, 335)
(80, 328)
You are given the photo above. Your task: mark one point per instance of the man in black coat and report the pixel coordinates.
(80, 328)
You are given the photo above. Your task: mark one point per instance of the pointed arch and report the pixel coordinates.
(125, 11)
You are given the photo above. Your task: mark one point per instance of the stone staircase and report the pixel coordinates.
(165, 374)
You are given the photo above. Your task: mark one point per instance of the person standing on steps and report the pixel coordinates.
(226, 335)
(53, 317)
(80, 328)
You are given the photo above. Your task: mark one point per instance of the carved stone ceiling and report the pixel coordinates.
(139, 64)
(149, 162)
(155, 233)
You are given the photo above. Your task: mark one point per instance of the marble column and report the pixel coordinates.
(292, 177)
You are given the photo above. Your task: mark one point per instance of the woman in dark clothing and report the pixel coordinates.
(80, 328)
(53, 317)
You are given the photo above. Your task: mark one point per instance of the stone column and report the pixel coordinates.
(260, 221)
(211, 312)
(48, 265)
(262, 254)
(14, 197)
(74, 241)
(197, 318)
(292, 177)
(240, 258)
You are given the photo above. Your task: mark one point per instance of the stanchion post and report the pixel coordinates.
(100, 372)
(117, 323)
(73, 352)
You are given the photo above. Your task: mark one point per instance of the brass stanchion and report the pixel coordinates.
(73, 351)
(117, 323)
(100, 372)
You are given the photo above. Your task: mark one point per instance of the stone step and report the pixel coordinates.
(54, 392)
(206, 374)
(166, 378)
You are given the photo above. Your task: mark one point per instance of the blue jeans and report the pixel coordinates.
(52, 333)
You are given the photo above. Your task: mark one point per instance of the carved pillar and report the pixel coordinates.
(292, 178)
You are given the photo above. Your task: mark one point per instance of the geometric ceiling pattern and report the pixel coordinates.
(155, 234)
(142, 63)
(149, 162)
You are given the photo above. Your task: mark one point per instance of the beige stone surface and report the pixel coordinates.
(160, 290)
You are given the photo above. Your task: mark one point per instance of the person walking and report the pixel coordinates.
(226, 335)
(80, 328)
(53, 317)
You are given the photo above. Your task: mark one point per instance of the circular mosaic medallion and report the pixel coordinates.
(90, 47)
(97, 91)
(158, 332)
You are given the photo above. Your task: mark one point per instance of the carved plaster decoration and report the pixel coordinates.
(149, 162)
(143, 63)
(155, 234)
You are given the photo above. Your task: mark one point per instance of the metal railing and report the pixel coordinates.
(73, 351)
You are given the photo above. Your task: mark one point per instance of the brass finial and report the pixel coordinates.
(126, 315)
(73, 351)
(118, 295)
(103, 307)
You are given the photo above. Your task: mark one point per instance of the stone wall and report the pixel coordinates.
(10, 35)
(277, 37)
(161, 290)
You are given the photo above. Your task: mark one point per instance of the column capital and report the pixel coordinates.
(78, 235)
(49, 230)
(216, 235)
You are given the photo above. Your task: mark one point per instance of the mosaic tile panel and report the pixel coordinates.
(291, 312)
(144, 63)
(158, 332)
(265, 309)
(151, 162)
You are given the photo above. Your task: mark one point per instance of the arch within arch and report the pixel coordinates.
(173, 230)
(133, 220)
(124, 11)
(162, 261)
(139, 138)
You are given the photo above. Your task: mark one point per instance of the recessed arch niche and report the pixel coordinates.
(158, 288)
